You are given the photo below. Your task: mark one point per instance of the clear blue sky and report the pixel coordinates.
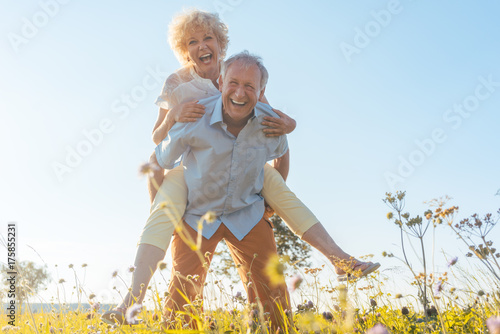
(376, 89)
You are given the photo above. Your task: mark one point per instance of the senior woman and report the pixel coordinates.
(200, 40)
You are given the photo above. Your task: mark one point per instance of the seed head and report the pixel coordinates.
(452, 261)
(275, 270)
(132, 313)
(295, 282)
(95, 307)
(328, 316)
(148, 169)
(493, 324)
(378, 329)
(210, 217)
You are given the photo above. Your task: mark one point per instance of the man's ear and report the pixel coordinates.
(220, 83)
(261, 95)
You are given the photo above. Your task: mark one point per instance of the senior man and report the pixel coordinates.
(224, 154)
(226, 151)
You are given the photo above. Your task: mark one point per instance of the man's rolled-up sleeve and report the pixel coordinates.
(173, 146)
(281, 148)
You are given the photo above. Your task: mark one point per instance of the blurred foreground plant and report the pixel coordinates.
(415, 227)
(412, 227)
(473, 231)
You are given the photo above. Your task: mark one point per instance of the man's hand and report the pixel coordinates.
(187, 112)
(278, 126)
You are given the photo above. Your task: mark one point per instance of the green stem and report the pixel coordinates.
(492, 256)
(433, 248)
(425, 282)
(408, 263)
(439, 314)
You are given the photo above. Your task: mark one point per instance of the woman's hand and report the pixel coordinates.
(187, 112)
(278, 126)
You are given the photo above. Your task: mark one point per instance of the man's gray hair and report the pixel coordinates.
(248, 60)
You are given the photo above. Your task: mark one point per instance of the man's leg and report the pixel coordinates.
(188, 271)
(253, 253)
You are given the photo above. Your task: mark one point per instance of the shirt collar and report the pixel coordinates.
(217, 114)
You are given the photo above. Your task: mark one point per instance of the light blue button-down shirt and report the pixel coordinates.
(223, 173)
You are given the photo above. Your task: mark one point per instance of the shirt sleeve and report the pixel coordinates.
(167, 99)
(281, 148)
(173, 146)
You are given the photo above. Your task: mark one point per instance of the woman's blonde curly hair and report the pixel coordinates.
(188, 22)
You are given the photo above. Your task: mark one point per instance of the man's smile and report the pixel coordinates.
(238, 103)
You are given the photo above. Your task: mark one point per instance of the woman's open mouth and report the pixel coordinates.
(205, 59)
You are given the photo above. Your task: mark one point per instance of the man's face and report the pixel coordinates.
(240, 90)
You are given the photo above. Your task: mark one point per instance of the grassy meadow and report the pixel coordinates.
(454, 301)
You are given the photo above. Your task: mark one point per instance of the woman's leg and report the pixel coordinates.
(146, 261)
(303, 223)
(294, 213)
(166, 212)
(155, 182)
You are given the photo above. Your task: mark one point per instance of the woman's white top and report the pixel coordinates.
(185, 85)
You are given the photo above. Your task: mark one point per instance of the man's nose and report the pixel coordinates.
(239, 92)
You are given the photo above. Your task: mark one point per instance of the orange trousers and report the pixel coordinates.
(251, 268)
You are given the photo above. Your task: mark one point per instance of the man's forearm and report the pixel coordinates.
(282, 164)
(173, 145)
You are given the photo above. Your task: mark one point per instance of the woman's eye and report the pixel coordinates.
(208, 37)
(191, 42)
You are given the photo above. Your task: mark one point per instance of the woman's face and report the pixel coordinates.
(203, 52)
